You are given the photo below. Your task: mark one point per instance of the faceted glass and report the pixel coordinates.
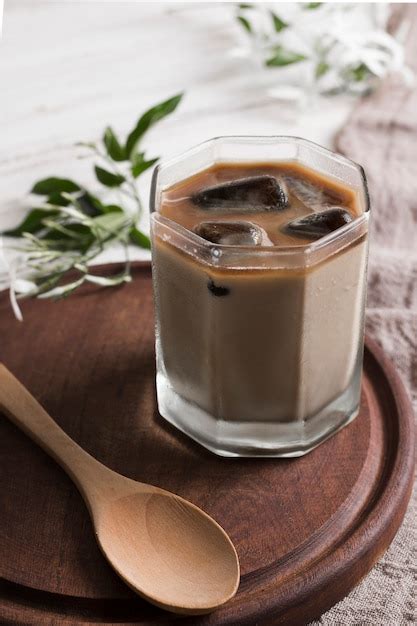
(275, 368)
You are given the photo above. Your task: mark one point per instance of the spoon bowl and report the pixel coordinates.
(176, 556)
(165, 548)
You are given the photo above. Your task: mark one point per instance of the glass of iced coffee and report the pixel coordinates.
(259, 248)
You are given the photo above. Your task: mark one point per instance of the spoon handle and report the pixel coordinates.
(23, 410)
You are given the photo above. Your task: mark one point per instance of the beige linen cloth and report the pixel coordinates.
(382, 136)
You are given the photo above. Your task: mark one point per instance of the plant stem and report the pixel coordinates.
(128, 180)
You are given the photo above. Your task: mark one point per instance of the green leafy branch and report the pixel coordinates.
(337, 58)
(280, 56)
(71, 225)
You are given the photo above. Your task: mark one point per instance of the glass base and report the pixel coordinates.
(260, 439)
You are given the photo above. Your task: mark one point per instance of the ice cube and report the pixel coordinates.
(311, 195)
(262, 193)
(320, 224)
(233, 233)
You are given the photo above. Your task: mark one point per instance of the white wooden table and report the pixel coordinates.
(69, 69)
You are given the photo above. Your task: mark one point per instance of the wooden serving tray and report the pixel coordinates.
(306, 530)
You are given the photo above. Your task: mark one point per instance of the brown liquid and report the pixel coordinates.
(270, 345)
(178, 206)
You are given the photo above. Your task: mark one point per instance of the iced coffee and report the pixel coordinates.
(259, 270)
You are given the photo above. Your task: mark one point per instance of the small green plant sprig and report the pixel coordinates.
(279, 55)
(342, 47)
(71, 225)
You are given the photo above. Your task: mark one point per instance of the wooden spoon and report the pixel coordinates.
(165, 548)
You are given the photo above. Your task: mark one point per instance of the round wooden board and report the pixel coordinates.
(306, 530)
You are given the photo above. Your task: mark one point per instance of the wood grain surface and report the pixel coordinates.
(163, 547)
(306, 530)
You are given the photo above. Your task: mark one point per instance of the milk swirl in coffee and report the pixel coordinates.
(262, 349)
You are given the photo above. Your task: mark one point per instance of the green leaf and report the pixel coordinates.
(139, 238)
(112, 208)
(108, 178)
(279, 24)
(110, 220)
(114, 149)
(48, 186)
(90, 205)
(79, 229)
(68, 231)
(359, 73)
(283, 57)
(57, 199)
(245, 5)
(32, 223)
(245, 23)
(61, 230)
(110, 225)
(78, 237)
(312, 5)
(321, 68)
(140, 165)
(149, 118)
(86, 144)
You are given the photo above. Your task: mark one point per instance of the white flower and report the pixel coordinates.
(345, 45)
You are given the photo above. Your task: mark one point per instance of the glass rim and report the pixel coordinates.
(254, 257)
(359, 223)
(264, 138)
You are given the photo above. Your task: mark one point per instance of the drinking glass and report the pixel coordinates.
(259, 349)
